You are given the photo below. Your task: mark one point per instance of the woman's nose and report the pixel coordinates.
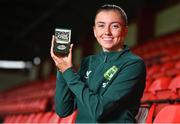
(107, 31)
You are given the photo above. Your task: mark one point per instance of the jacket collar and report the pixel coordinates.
(112, 56)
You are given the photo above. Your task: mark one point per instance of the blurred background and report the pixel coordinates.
(27, 28)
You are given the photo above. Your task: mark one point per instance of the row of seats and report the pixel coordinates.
(35, 96)
(145, 115)
(160, 50)
(28, 106)
(164, 45)
(41, 117)
(163, 88)
(32, 89)
(168, 113)
(169, 69)
(162, 92)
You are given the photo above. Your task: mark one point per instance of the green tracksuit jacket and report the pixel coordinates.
(107, 88)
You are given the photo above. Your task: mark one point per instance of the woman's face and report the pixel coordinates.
(110, 30)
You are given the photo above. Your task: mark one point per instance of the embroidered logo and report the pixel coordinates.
(105, 84)
(110, 72)
(87, 74)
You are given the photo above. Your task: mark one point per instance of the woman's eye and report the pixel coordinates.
(115, 26)
(100, 26)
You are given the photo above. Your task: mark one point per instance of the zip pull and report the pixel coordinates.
(105, 58)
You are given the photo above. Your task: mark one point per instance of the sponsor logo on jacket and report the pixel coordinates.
(87, 74)
(110, 72)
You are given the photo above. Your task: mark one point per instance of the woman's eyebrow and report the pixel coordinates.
(111, 22)
(100, 22)
(117, 22)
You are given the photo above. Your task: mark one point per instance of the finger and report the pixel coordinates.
(52, 44)
(52, 41)
(70, 51)
(54, 57)
(71, 46)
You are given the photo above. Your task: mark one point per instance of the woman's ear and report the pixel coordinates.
(125, 31)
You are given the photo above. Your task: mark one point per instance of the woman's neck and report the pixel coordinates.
(105, 50)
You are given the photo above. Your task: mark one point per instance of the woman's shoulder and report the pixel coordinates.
(133, 57)
(90, 58)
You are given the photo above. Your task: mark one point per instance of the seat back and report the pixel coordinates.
(54, 118)
(169, 114)
(69, 119)
(175, 83)
(159, 84)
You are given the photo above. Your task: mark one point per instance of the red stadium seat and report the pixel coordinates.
(177, 65)
(37, 118)
(9, 119)
(175, 86)
(24, 118)
(18, 118)
(159, 87)
(30, 118)
(148, 97)
(148, 84)
(150, 115)
(166, 66)
(54, 118)
(6, 119)
(172, 72)
(153, 70)
(165, 59)
(70, 119)
(46, 116)
(159, 107)
(169, 114)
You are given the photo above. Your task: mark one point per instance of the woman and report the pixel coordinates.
(108, 86)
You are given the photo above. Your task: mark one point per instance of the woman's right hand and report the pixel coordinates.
(62, 62)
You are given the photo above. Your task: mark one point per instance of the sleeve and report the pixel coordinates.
(121, 87)
(64, 102)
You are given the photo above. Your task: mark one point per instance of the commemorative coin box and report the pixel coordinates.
(62, 41)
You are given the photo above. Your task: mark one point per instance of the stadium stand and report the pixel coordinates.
(33, 102)
(162, 57)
